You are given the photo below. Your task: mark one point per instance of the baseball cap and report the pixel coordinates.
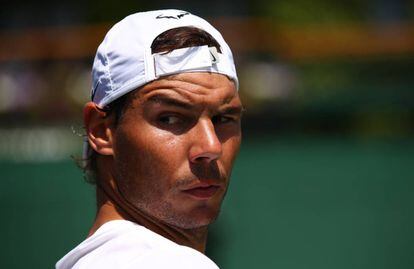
(124, 60)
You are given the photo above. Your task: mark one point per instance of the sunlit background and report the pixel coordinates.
(325, 174)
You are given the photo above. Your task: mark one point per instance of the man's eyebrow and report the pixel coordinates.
(171, 101)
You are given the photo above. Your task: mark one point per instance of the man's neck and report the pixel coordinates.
(108, 210)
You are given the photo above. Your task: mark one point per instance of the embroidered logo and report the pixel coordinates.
(213, 57)
(175, 17)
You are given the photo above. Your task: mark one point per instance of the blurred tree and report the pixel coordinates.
(318, 11)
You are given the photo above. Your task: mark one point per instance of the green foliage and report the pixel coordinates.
(319, 11)
(107, 10)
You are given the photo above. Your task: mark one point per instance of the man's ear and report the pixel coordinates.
(98, 129)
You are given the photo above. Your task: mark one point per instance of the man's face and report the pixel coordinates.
(175, 145)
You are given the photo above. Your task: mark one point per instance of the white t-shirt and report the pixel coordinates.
(121, 244)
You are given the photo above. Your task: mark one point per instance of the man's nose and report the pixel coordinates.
(206, 145)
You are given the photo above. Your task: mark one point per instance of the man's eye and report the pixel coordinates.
(169, 120)
(222, 119)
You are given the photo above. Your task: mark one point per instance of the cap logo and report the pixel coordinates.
(214, 55)
(175, 17)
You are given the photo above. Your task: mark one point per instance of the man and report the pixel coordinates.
(163, 131)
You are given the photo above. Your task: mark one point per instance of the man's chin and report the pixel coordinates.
(195, 220)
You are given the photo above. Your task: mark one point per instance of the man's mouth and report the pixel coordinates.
(202, 191)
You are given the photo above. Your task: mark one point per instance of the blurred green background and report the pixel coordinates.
(324, 177)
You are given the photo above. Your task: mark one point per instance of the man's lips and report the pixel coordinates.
(202, 191)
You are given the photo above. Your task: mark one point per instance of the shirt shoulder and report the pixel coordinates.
(122, 244)
(181, 257)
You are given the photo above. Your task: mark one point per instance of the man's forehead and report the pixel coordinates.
(191, 87)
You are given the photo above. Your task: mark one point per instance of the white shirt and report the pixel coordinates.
(121, 244)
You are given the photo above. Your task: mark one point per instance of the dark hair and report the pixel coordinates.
(177, 38)
(182, 37)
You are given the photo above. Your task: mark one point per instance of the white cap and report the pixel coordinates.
(124, 60)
